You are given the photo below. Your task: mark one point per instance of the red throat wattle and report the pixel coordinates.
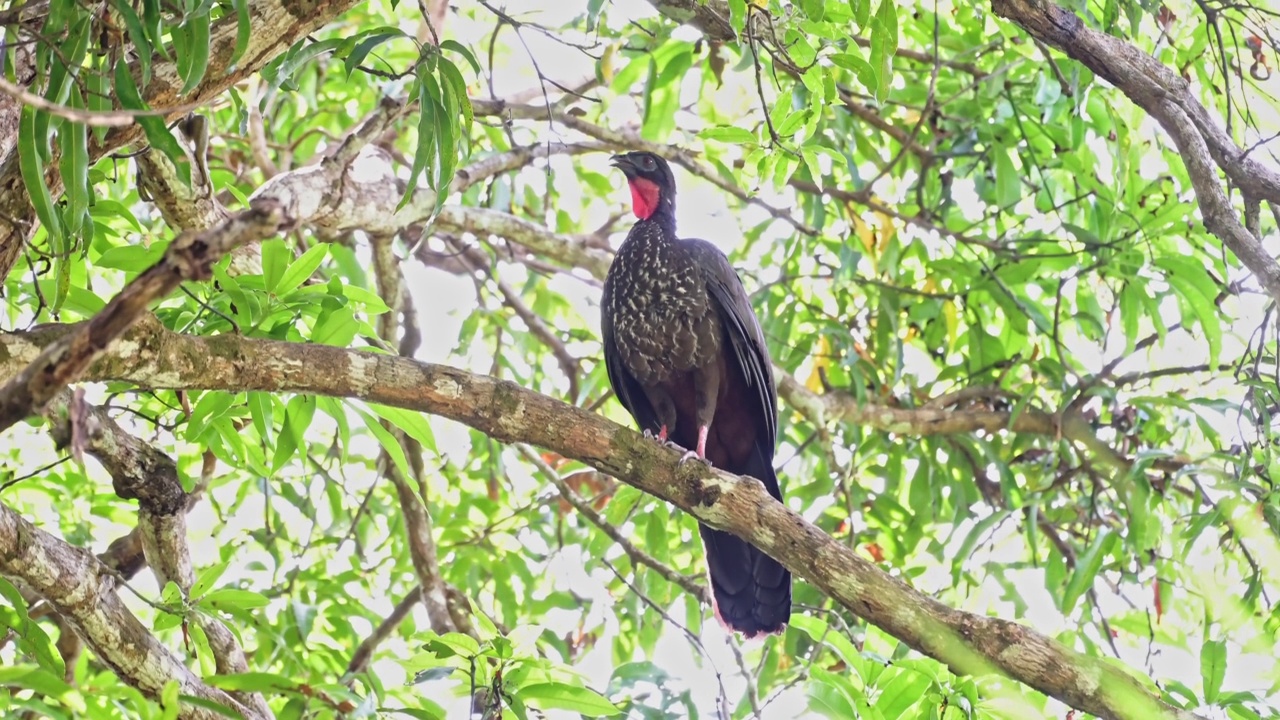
(644, 197)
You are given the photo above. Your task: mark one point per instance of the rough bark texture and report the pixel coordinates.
(709, 16)
(277, 24)
(84, 594)
(151, 356)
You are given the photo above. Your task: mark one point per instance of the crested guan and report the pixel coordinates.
(686, 357)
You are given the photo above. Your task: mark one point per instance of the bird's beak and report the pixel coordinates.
(623, 163)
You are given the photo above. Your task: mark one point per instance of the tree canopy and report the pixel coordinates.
(304, 413)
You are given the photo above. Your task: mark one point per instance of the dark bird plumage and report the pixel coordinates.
(686, 357)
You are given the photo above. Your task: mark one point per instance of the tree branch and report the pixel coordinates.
(969, 643)
(277, 24)
(1158, 89)
(83, 592)
(410, 491)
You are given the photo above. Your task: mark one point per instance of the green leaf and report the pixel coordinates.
(234, 599)
(37, 679)
(337, 328)
(367, 42)
(1087, 567)
(818, 631)
(389, 443)
(275, 258)
(801, 51)
(74, 168)
(32, 170)
(1192, 283)
(558, 696)
(457, 47)
(372, 302)
(131, 258)
(242, 32)
(262, 410)
(64, 67)
(141, 42)
(860, 67)
(1008, 180)
(252, 681)
(166, 621)
(300, 54)
(201, 648)
(905, 689)
(32, 639)
(829, 695)
(207, 579)
(425, 150)
(792, 122)
(738, 16)
(301, 269)
(457, 89)
(662, 97)
(151, 21)
(153, 125)
(729, 133)
(414, 424)
(453, 643)
(1213, 669)
(197, 61)
(884, 43)
(211, 406)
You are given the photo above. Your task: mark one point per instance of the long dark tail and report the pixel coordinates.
(751, 591)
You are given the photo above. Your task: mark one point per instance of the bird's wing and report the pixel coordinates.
(625, 385)
(742, 328)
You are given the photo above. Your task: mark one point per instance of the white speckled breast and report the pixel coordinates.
(661, 313)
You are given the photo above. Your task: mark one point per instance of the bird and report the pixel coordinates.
(686, 357)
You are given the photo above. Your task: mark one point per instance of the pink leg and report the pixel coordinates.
(701, 452)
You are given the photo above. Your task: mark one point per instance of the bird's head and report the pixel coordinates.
(653, 187)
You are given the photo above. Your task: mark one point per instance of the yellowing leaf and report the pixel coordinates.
(951, 317)
(821, 361)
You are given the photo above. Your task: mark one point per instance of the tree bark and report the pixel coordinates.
(151, 356)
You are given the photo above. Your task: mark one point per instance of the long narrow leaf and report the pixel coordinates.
(198, 52)
(157, 134)
(32, 171)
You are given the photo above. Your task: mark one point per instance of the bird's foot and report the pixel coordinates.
(661, 435)
(662, 439)
(690, 455)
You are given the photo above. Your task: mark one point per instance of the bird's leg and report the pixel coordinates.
(701, 452)
(665, 408)
(660, 436)
(706, 380)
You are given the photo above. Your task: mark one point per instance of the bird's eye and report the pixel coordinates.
(648, 163)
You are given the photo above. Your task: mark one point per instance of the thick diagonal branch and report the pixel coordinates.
(510, 413)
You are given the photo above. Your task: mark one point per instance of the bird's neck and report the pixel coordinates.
(649, 202)
(662, 218)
